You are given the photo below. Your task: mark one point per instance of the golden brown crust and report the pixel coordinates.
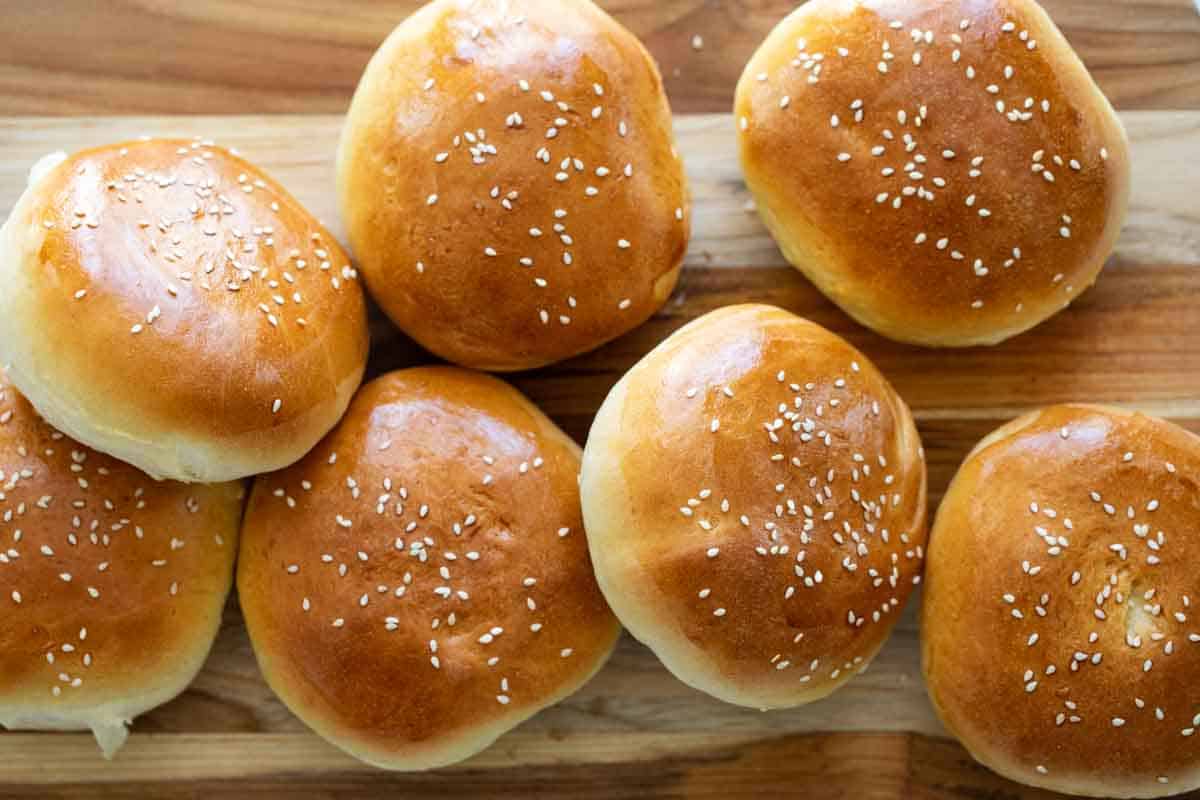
(944, 170)
(112, 583)
(762, 566)
(1059, 638)
(167, 302)
(436, 528)
(508, 177)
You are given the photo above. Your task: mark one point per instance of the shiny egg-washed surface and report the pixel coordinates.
(169, 303)
(111, 584)
(1059, 629)
(946, 172)
(509, 181)
(754, 492)
(420, 582)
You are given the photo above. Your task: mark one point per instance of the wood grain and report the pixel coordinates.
(816, 767)
(305, 56)
(635, 731)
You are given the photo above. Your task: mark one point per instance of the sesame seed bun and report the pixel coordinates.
(1059, 641)
(946, 171)
(167, 303)
(508, 176)
(113, 583)
(419, 584)
(754, 498)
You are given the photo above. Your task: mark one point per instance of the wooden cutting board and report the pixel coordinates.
(305, 56)
(634, 731)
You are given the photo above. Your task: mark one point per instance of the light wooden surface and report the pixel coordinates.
(305, 56)
(635, 731)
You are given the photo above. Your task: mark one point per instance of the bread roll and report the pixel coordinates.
(508, 176)
(946, 171)
(167, 303)
(1059, 639)
(754, 498)
(111, 584)
(419, 584)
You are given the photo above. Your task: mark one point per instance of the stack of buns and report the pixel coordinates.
(171, 306)
(177, 317)
(428, 560)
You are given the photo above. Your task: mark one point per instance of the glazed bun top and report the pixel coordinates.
(945, 170)
(508, 177)
(754, 495)
(168, 303)
(420, 583)
(111, 584)
(1061, 641)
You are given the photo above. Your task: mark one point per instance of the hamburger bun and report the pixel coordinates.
(1059, 639)
(419, 583)
(946, 171)
(113, 583)
(754, 498)
(167, 303)
(508, 177)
